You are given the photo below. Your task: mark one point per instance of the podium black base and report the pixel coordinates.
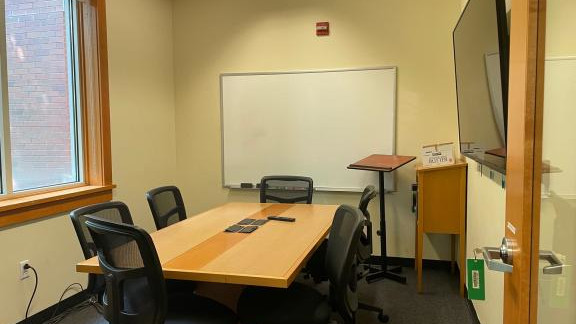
(392, 273)
(379, 269)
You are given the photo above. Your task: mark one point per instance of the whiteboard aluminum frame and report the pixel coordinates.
(316, 188)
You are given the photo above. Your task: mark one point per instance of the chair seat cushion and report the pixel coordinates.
(299, 304)
(194, 309)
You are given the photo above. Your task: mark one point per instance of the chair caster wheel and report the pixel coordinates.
(383, 318)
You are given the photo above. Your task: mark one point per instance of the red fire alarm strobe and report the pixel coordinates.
(322, 28)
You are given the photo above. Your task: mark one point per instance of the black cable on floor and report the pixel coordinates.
(58, 318)
(62, 296)
(54, 318)
(94, 303)
(27, 266)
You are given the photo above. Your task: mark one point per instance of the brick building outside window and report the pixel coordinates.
(41, 93)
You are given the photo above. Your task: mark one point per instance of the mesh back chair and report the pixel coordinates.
(300, 304)
(292, 190)
(365, 249)
(316, 265)
(286, 189)
(166, 205)
(135, 286)
(114, 211)
(341, 260)
(365, 246)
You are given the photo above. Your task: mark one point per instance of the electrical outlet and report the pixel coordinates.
(23, 271)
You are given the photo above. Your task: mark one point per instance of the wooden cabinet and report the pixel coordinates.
(442, 209)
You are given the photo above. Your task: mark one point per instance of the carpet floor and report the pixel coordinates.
(438, 304)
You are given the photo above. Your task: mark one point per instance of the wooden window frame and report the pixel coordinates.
(97, 167)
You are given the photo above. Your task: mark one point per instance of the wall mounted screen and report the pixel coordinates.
(481, 61)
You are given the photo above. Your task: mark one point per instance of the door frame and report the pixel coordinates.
(524, 158)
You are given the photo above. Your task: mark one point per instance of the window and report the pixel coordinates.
(41, 144)
(55, 139)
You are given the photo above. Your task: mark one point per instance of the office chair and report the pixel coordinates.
(118, 212)
(286, 189)
(135, 286)
(316, 268)
(315, 265)
(114, 211)
(167, 208)
(166, 205)
(365, 246)
(300, 304)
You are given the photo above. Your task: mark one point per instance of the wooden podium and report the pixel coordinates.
(381, 164)
(442, 210)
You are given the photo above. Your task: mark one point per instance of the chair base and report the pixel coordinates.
(383, 318)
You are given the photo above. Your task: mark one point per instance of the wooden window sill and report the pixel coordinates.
(23, 209)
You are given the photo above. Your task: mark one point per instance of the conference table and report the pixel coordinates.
(198, 248)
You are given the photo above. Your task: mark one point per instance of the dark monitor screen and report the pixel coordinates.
(481, 61)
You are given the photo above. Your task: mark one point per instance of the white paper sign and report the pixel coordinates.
(438, 154)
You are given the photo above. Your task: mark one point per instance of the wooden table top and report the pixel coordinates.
(381, 162)
(198, 248)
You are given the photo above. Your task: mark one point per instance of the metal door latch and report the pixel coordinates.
(500, 259)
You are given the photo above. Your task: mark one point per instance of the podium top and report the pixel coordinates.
(381, 162)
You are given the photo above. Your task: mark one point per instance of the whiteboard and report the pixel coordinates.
(312, 123)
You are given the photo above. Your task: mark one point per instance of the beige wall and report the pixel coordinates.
(560, 26)
(143, 148)
(52, 249)
(485, 227)
(142, 100)
(213, 37)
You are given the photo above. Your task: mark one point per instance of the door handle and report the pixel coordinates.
(493, 255)
(555, 266)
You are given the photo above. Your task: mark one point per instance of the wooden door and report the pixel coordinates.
(524, 157)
